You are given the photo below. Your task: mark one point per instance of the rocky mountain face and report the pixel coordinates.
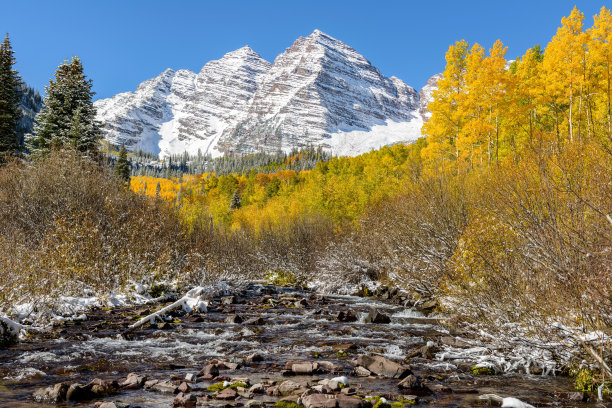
(318, 92)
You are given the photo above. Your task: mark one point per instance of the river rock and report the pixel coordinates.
(290, 387)
(103, 388)
(211, 370)
(53, 394)
(414, 385)
(254, 358)
(362, 372)
(333, 401)
(257, 389)
(191, 377)
(382, 366)
(227, 394)
(184, 388)
(234, 319)
(301, 304)
(150, 383)
(185, 400)
(109, 404)
(374, 316)
(573, 396)
(228, 300)
(79, 392)
(255, 321)
(133, 381)
(165, 387)
(346, 317)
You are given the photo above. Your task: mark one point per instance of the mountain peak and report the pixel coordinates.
(243, 52)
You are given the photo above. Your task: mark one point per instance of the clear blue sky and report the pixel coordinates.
(123, 43)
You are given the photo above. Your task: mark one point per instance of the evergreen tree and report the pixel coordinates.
(123, 166)
(236, 203)
(67, 119)
(157, 190)
(10, 97)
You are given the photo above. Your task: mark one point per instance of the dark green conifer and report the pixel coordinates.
(10, 97)
(68, 118)
(123, 166)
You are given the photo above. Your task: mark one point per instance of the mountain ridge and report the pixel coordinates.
(318, 92)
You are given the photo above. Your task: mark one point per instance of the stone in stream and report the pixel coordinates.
(362, 372)
(257, 389)
(227, 394)
(414, 385)
(108, 404)
(165, 387)
(103, 388)
(210, 370)
(301, 304)
(234, 319)
(79, 392)
(382, 367)
(228, 300)
(133, 381)
(301, 367)
(191, 377)
(150, 383)
(185, 400)
(291, 387)
(184, 388)
(53, 394)
(333, 401)
(346, 317)
(374, 316)
(255, 321)
(254, 358)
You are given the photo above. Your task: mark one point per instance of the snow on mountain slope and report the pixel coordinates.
(318, 92)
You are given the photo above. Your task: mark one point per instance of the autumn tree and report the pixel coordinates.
(446, 123)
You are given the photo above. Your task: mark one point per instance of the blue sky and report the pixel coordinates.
(123, 43)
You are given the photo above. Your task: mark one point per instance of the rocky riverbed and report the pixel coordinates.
(267, 346)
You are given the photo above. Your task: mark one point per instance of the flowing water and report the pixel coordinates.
(100, 347)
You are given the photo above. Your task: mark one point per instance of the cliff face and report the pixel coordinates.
(318, 92)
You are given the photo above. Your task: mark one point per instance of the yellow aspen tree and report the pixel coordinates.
(446, 122)
(562, 68)
(600, 49)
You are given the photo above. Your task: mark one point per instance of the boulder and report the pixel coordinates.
(133, 381)
(412, 384)
(362, 372)
(383, 367)
(291, 387)
(103, 388)
(165, 387)
(333, 401)
(184, 388)
(185, 400)
(79, 392)
(234, 319)
(254, 358)
(209, 370)
(374, 316)
(227, 394)
(53, 394)
(257, 389)
(255, 321)
(228, 300)
(347, 317)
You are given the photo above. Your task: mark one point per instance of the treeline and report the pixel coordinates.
(178, 165)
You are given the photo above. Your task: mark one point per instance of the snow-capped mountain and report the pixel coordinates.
(318, 92)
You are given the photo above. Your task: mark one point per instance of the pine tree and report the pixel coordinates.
(236, 203)
(122, 166)
(10, 97)
(157, 190)
(68, 116)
